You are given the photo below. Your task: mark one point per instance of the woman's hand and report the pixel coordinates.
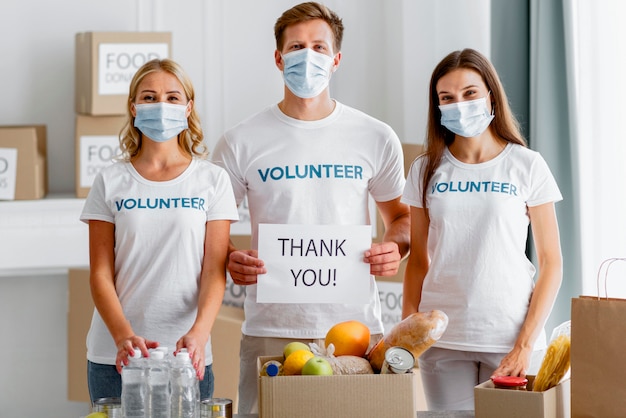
(515, 363)
(195, 346)
(126, 349)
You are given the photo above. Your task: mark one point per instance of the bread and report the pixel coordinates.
(555, 364)
(350, 365)
(416, 333)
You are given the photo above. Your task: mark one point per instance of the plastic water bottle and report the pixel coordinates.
(158, 378)
(134, 387)
(185, 387)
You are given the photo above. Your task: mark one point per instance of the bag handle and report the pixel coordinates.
(608, 263)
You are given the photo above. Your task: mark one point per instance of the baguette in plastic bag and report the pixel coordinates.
(416, 333)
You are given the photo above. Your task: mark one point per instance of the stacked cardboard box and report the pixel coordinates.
(23, 173)
(105, 65)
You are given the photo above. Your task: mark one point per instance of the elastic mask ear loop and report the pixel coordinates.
(493, 104)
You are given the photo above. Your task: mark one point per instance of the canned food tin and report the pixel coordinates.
(110, 406)
(216, 408)
(509, 382)
(398, 360)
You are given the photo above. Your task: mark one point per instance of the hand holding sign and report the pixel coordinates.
(314, 263)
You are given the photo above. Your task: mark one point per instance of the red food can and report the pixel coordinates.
(510, 382)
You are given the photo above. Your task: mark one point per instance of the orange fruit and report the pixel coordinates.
(349, 338)
(295, 362)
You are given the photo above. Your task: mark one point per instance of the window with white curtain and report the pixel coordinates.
(597, 63)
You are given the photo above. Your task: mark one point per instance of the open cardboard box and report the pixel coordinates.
(490, 402)
(363, 395)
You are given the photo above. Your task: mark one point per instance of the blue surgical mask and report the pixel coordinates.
(306, 72)
(161, 121)
(467, 119)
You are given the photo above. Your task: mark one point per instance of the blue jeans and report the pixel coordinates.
(105, 382)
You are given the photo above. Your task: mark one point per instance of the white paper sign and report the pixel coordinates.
(314, 263)
(8, 173)
(96, 152)
(118, 63)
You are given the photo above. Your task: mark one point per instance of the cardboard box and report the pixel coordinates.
(225, 338)
(97, 143)
(411, 152)
(490, 402)
(105, 64)
(27, 172)
(78, 322)
(364, 395)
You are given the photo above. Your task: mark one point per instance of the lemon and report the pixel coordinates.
(97, 415)
(295, 362)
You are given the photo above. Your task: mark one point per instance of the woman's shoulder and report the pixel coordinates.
(524, 154)
(204, 165)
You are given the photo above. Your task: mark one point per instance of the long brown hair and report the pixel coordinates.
(504, 124)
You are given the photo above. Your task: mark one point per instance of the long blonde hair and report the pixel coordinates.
(504, 124)
(190, 139)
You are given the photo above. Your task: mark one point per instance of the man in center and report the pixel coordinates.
(314, 161)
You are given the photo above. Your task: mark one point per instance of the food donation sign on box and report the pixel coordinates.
(96, 153)
(8, 173)
(314, 263)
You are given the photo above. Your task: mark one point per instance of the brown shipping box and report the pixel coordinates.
(490, 402)
(31, 180)
(97, 143)
(225, 337)
(78, 321)
(363, 395)
(411, 152)
(106, 62)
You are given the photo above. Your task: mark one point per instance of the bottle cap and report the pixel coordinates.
(272, 369)
(137, 353)
(165, 350)
(157, 355)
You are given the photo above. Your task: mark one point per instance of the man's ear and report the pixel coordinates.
(278, 60)
(337, 60)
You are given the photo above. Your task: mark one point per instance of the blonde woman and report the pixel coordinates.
(159, 224)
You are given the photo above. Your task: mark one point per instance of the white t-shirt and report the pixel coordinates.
(479, 273)
(159, 247)
(312, 173)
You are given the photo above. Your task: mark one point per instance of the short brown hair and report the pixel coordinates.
(304, 12)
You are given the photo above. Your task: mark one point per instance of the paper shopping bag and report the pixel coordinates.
(598, 354)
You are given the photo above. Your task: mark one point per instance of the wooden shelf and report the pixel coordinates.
(42, 236)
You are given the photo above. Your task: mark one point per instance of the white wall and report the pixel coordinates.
(226, 46)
